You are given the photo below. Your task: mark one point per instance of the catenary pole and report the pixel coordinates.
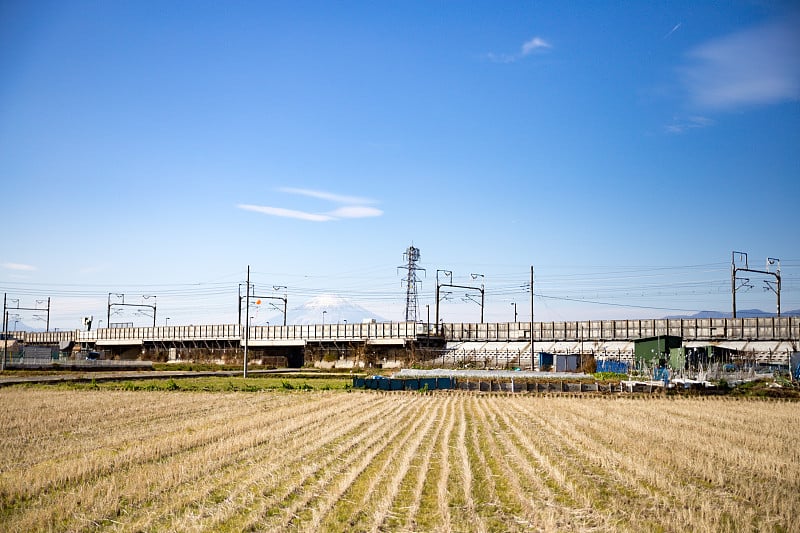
(247, 322)
(5, 332)
(532, 341)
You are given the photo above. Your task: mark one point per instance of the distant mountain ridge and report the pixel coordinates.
(20, 326)
(328, 309)
(740, 313)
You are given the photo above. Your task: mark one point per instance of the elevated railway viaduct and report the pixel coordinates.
(770, 340)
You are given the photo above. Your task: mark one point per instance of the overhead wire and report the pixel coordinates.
(614, 286)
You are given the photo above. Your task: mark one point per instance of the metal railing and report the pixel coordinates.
(769, 328)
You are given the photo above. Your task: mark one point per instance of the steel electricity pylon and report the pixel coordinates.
(411, 256)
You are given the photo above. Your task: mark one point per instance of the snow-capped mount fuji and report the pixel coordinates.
(15, 325)
(327, 308)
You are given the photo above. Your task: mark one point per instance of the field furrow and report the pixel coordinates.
(252, 482)
(596, 482)
(490, 503)
(375, 461)
(403, 515)
(175, 436)
(666, 479)
(210, 449)
(462, 493)
(400, 464)
(353, 510)
(442, 487)
(547, 507)
(433, 512)
(683, 462)
(289, 499)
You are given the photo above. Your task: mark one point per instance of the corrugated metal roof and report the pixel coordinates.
(758, 347)
(119, 342)
(615, 347)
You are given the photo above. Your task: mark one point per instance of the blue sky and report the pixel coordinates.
(622, 150)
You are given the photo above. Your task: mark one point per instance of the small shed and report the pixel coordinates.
(567, 362)
(655, 351)
(695, 355)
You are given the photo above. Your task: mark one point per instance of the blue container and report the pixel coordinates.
(372, 383)
(427, 383)
(396, 384)
(661, 374)
(545, 359)
(609, 365)
(384, 384)
(412, 384)
(444, 383)
(359, 383)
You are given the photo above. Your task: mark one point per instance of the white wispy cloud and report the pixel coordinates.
(18, 267)
(758, 66)
(534, 45)
(338, 198)
(681, 125)
(287, 213)
(356, 211)
(531, 46)
(500, 58)
(675, 28)
(354, 207)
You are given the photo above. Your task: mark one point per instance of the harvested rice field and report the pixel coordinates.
(86, 460)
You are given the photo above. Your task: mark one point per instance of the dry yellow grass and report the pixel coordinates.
(364, 461)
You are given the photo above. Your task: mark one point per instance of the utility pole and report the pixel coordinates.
(467, 296)
(483, 291)
(147, 297)
(38, 317)
(108, 307)
(284, 299)
(123, 304)
(735, 269)
(428, 310)
(239, 306)
(47, 328)
(5, 332)
(777, 274)
(437, 307)
(532, 340)
(247, 322)
(438, 286)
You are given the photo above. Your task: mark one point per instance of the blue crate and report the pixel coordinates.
(609, 365)
(427, 383)
(444, 383)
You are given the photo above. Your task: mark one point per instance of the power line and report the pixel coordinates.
(617, 305)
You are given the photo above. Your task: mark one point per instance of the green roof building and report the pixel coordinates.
(655, 351)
